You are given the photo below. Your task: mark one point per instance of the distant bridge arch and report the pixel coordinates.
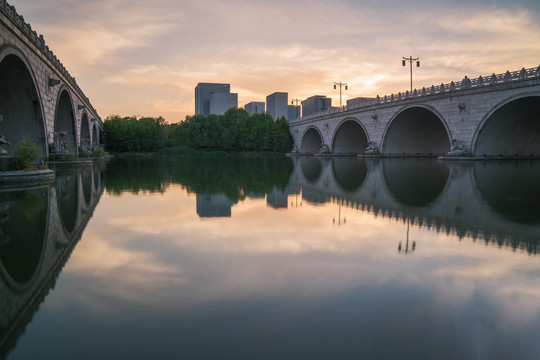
(416, 130)
(350, 137)
(312, 141)
(64, 122)
(511, 128)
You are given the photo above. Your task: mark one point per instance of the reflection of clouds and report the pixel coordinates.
(153, 250)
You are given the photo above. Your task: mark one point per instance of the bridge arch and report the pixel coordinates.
(511, 128)
(64, 122)
(68, 200)
(23, 244)
(312, 141)
(417, 130)
(95, 139)
(85, 141)
(415, 182)
(349, 172)
(21, 113)
(312, 168)
(350, 137)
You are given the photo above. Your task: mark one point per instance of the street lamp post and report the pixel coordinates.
(340, 85)
(410, 59)
(297, 101)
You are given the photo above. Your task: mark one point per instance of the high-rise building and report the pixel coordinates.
(221, 102)
(315, 104)
(293, 112)
(255, 107)
(277, 105)
(211, 98)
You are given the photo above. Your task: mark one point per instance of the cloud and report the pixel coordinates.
(134, 57)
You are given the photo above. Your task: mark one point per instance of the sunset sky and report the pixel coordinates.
(135, 57)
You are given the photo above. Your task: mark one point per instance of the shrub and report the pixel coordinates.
(26, 155)
(99, 152)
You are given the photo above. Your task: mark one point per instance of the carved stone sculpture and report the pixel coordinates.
(324, 149)
(372, 149)
(457, 148)
(3, 141)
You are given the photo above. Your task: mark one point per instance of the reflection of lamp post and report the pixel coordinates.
(339, 217)
(410, 60)
(340, 85)
(293, 204)
(413, 247)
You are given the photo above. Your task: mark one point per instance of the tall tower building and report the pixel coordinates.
(315, 104)
(211, 98)
(254, 107)
(277, 105)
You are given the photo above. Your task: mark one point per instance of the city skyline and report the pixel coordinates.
(140, 58)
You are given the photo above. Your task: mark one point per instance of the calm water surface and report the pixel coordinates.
(305, 258)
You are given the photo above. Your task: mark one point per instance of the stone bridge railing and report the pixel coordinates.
(466, 83)
(37, 40)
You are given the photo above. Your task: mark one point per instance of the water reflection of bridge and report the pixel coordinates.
(39, 228)
(492, 201)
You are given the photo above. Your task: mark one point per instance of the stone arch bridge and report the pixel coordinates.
(492, 116)
(39, 99)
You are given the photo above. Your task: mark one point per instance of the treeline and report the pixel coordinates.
(123, 134)
(235, 130)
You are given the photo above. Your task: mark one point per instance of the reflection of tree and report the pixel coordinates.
(134, 175)
(232, 176)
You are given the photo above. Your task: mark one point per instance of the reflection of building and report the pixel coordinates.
(277, 199)
(277, 105)
(316, 104)
(213, 206)
(213, 98)
(255, 107)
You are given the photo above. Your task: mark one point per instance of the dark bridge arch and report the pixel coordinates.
(95, 140)
(517, 203)
(20, 106)
(311, 142)
(23, 236)
(64, 122)
(67, 198)
(350, 138)
(349, 172)
(512, 129)
(312, 168)
(415, 182)
(85, 145)
(416, 131)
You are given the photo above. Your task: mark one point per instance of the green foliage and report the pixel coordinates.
(134, 134)
(235, 130)
(26, 155)
(99, 152)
